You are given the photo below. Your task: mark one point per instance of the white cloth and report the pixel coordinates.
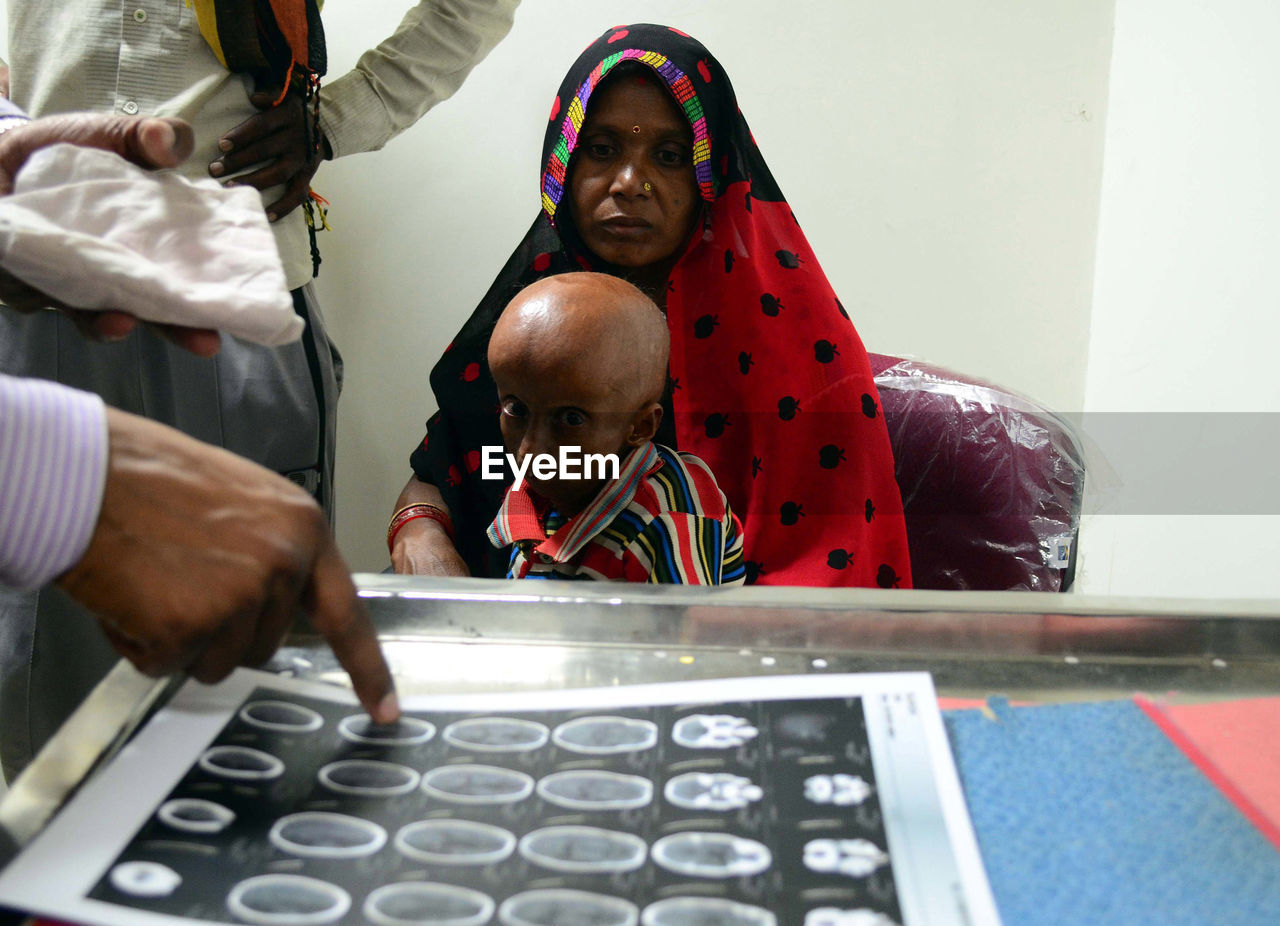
(95, 232)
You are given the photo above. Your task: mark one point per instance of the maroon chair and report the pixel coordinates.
(991, 481)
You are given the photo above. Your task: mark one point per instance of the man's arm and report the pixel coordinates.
(53, 463)
(423, 62)
(191, 557)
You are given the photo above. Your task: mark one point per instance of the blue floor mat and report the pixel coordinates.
(1088, 814)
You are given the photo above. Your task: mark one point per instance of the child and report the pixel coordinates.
(580, 360)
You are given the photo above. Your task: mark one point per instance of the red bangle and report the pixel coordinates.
(412, 513)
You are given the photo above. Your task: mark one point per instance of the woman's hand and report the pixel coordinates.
(422, 548)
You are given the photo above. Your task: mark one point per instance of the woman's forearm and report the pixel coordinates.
(423, 546)
(417, 492)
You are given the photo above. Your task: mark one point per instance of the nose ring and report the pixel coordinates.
(648, 187)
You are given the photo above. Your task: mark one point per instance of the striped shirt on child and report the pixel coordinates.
(664, 519)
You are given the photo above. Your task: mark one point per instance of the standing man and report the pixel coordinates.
(276, 406)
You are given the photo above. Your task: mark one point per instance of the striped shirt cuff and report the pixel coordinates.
(10, 115)
(53, 469)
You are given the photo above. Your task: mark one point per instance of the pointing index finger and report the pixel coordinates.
(337, 613)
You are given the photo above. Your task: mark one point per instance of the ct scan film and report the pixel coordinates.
(808, 800)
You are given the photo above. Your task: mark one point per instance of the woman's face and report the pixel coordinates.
(634, 137)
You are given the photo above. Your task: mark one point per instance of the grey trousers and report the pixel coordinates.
(276, 406)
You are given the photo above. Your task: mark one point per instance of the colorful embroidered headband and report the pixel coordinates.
(681, 88)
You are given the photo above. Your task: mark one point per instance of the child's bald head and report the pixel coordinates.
(592, 322)
(580, 360)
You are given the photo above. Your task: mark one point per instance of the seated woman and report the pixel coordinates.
(651, 174)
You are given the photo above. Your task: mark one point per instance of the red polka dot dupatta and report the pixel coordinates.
(771, 383)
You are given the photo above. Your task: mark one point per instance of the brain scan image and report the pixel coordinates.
(804, 729)
(477, 784)
(368, 778)
(327, 835)
(841, 790)
(705, 911)
(496, 734)
(241, 763)
(561, 907)
(145, 879)
(427, 904)
(195, 815)
(592, 789)
(281, 717)
(407, 731)
(454, 842)
(719, 791)
(856, 858)
(833, 916)
(713, 731)
(584, 849)
(711, 855)
(288, 900)
(606, 735)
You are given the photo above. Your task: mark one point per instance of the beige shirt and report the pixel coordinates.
(147, 57)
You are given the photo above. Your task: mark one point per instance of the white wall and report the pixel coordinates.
(1186, 292)
(944, 159)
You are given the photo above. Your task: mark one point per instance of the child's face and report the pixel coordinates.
(579, 403)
